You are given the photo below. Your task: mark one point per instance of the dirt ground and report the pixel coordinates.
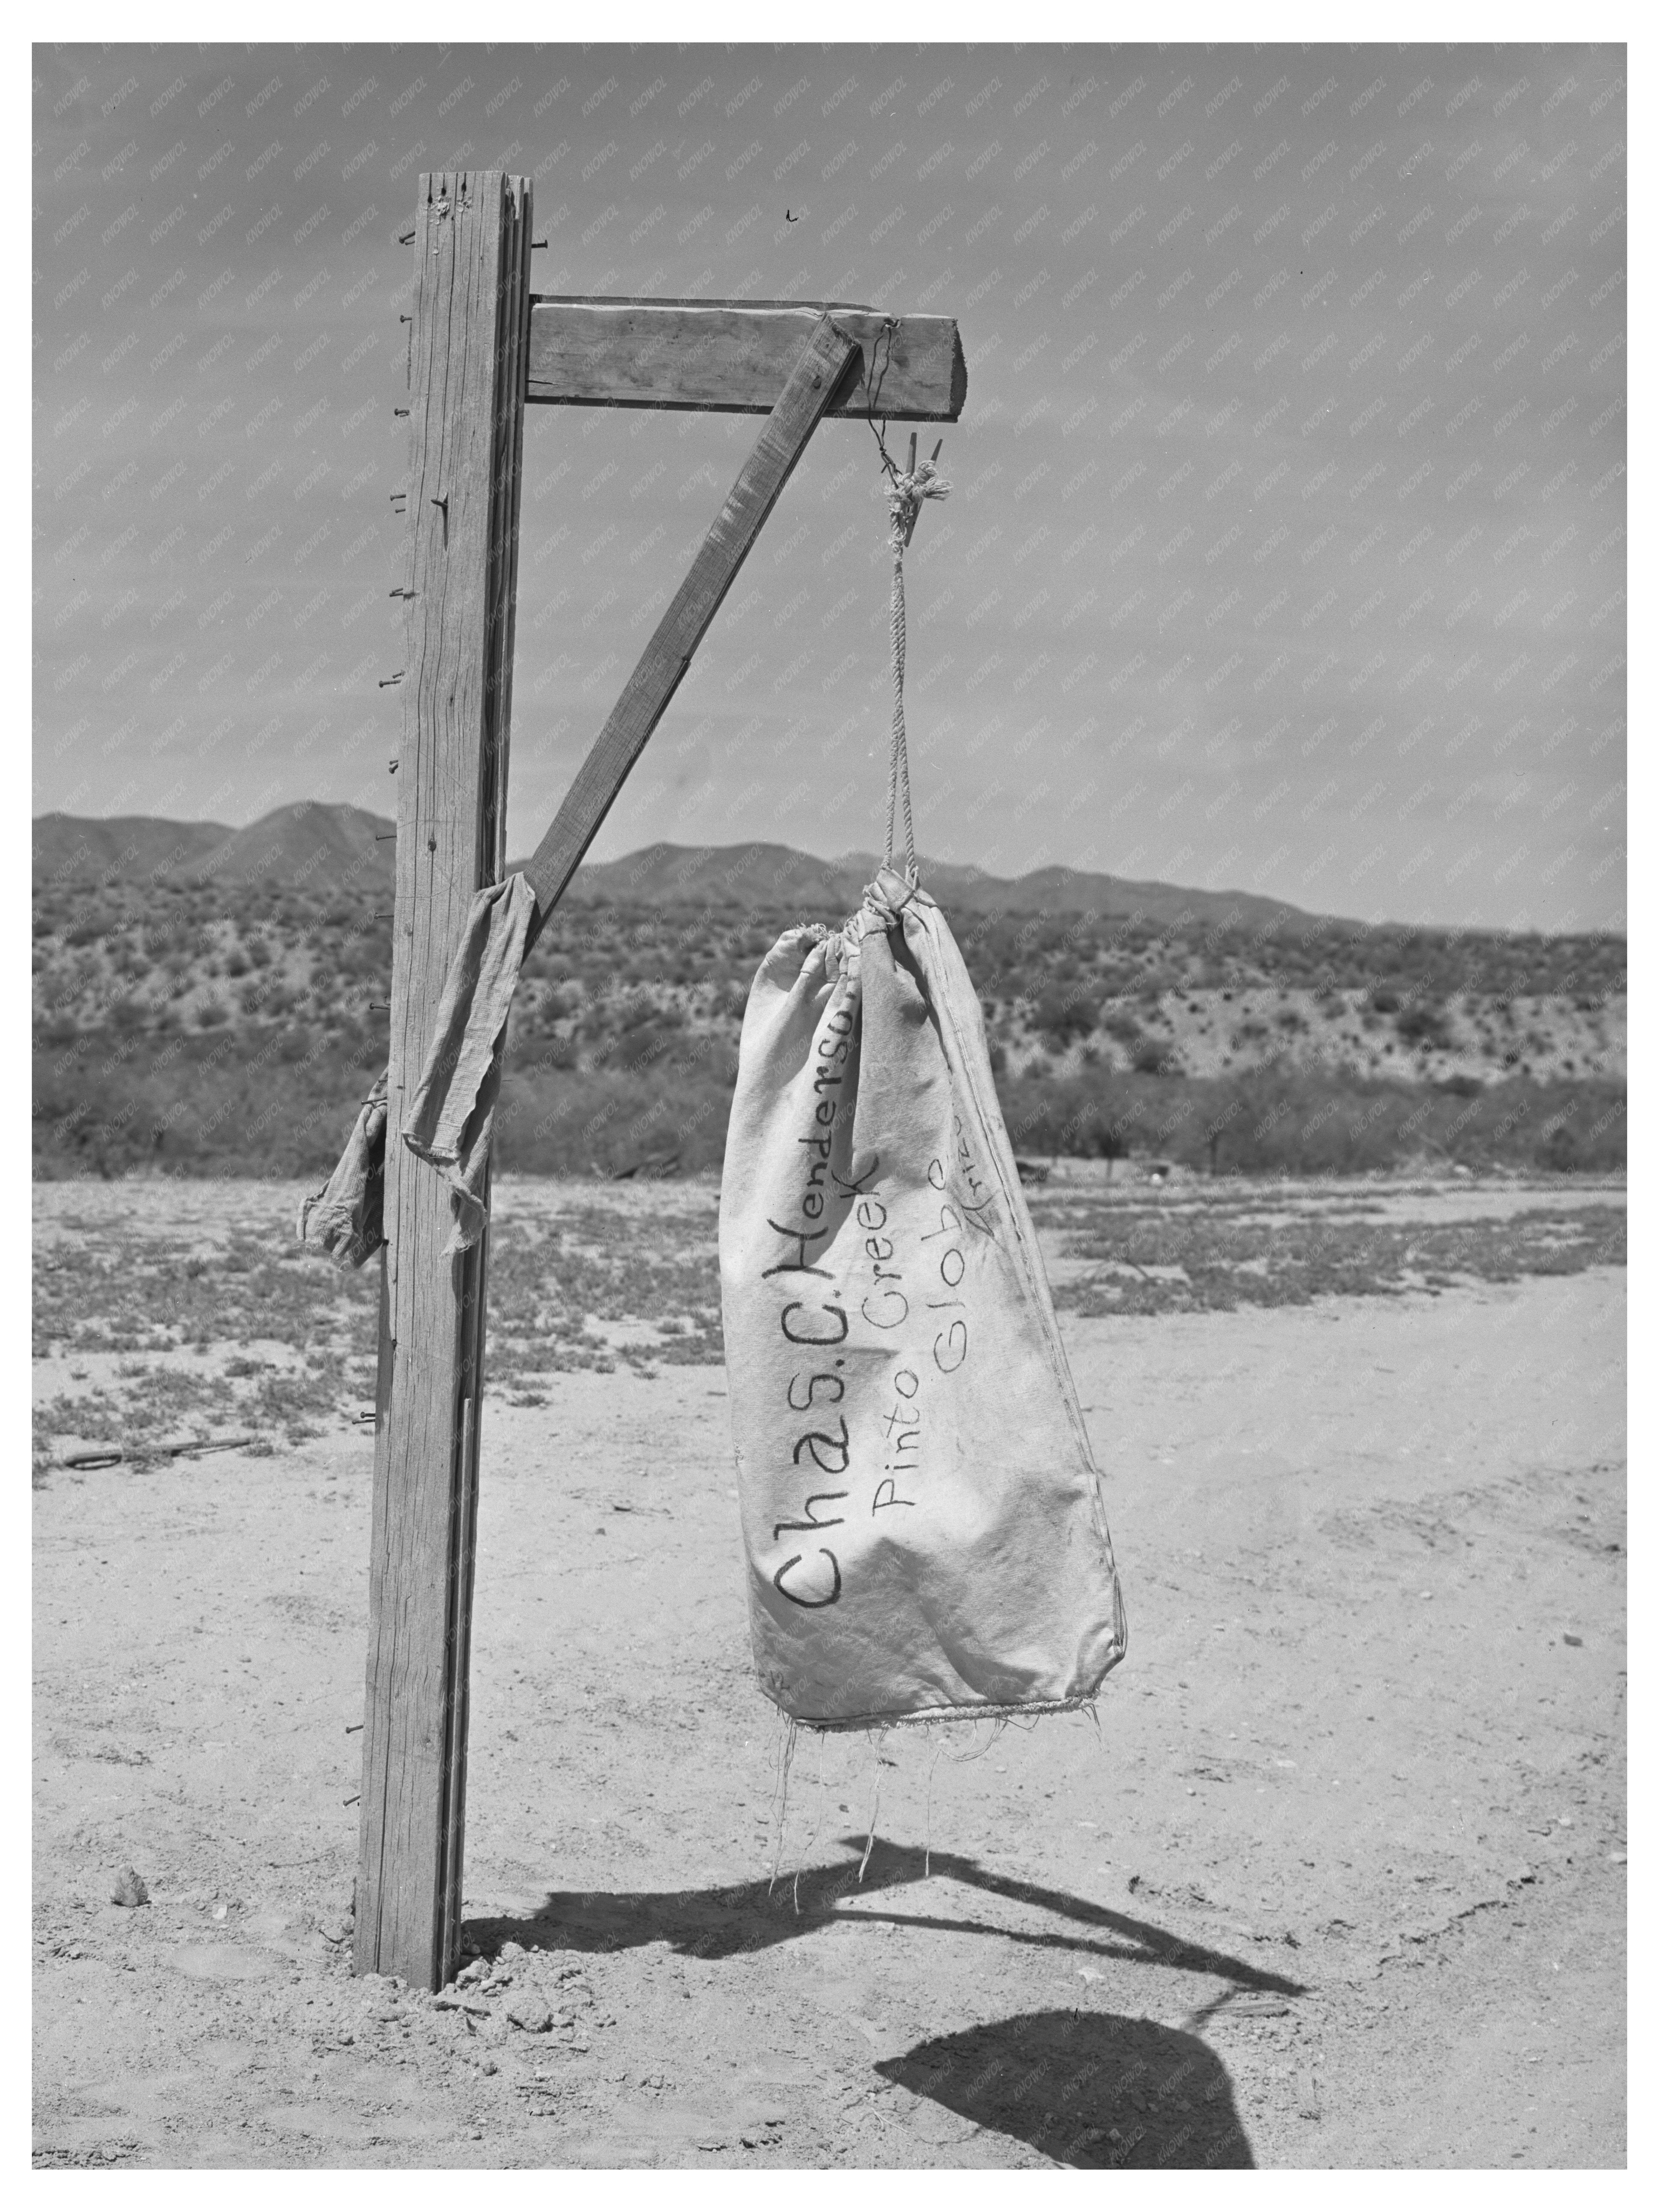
(1338, 1878)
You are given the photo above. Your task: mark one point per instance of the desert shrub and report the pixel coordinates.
(1298, 1121)
(1063, 1016)
(1558, 1149)
(552, 1123)
(1423, 1024)
(194, 1105)
(547, 1055)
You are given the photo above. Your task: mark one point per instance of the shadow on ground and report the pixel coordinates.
(751, 1916)
(1086, 2089)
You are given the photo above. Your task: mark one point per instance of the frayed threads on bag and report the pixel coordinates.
(781, 1799)
(875, 1810)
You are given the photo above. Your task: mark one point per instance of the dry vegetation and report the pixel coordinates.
(205, 1319)
(198, 1030)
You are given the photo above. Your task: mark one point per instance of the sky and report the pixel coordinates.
(1286, 549)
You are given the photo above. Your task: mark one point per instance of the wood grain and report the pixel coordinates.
(732, 356)
(466, 379)
(810, 389)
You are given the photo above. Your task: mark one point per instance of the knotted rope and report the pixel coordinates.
(906, 492)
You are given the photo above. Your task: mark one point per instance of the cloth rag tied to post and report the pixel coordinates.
(921, 1511)
(450, 1119)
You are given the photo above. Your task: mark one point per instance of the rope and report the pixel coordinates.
(907, 492)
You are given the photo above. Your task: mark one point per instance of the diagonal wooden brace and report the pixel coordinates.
(813, 385)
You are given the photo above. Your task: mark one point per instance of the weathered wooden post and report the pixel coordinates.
(468, 339)
(479, 348)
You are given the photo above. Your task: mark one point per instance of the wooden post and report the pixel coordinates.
(467, 374)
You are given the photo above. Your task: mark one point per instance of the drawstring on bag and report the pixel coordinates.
(907, 490)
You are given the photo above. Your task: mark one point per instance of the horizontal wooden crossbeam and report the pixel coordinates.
(734, 356)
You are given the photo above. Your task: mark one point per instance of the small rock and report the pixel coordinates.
(1617, 1858)
(1572, 1639)
(530, 2014)
(128, 1888)
(475, 1971)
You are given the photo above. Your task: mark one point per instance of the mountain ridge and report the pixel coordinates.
(318, 842)
(327, 844)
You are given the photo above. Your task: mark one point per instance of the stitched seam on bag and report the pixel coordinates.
(970, 1712)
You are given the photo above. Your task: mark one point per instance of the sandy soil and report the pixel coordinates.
(1338, 1879)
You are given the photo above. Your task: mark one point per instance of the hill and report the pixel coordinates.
(76, 849)
(310, 843)
(313, 843)
(767, 877)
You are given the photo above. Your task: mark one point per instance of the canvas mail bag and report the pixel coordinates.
(922, 1512)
